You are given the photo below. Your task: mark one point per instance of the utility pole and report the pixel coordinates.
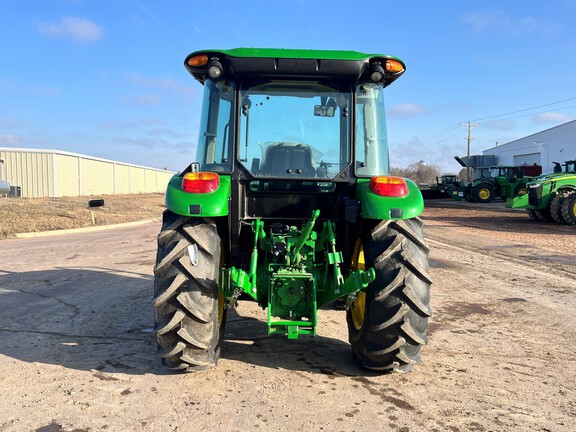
(469, 139)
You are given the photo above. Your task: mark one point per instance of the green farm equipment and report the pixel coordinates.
(551, 197)
(449, 184)
(504, 181)
(289, 204)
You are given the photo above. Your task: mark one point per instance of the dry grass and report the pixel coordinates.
(22, 215)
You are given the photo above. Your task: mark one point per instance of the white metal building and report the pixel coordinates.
(54, 173)
(557, 144)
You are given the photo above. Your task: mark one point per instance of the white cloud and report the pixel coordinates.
(151, 15)
(134, 124)
(482, 20)
(143, 100)
(502, 125)
(6, 84)
(77, 29)
(9, 140)
(496, 19)
(158, 83)
(48, 91)
(165, 132)
(143, 142)
(406, 110)
(552, 117)
(8, 121)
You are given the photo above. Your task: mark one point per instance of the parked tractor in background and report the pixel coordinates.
(290, 204)
(449, 185)
(440, 189)
(504, 182)
(551, 197)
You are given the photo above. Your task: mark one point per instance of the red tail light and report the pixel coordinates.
(389, 186)
(200, 182)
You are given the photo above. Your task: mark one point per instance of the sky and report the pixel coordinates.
(105, 78)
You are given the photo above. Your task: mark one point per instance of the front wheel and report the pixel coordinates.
(520, 189)
(544, 215)
(387, 324)
(187, 309)
(532, 214)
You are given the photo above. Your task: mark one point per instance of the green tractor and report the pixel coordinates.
(450, 185)
(289, 204)
(551, 197)
(504, 181)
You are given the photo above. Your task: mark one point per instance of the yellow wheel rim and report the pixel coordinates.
(221, 300)
(522, 191)
(484, 193)
(358, 307)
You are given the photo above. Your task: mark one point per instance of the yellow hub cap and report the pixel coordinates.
(358, 308)
(484, 193)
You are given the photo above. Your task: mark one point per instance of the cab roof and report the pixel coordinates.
(295, 63)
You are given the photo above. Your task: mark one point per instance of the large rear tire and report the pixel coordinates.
(387, 324)
(556, 207)
(569, 208)
(483, 193)
(189, 322)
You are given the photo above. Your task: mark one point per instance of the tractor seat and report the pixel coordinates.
(285, 159)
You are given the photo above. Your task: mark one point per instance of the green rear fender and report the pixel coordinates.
(374, 206)
(210, 204)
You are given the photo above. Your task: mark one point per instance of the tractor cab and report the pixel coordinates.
(280, 123)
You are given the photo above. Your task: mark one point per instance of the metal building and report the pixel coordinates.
(557, 144)
(34, 173)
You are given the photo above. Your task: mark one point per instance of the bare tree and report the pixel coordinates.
(462, 174)
(418, 172)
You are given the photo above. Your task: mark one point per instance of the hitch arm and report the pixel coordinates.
(233, 280)
(306, 231)
(337, 285)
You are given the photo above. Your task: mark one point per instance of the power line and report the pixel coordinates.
(440, 140)
(435, 139)
(526, 115)
(525, 109)
(439, 134)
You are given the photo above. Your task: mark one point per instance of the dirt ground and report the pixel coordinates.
(77, 352)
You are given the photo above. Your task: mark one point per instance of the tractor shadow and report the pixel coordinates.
(101, 320)
(81, 318)
(246, 340)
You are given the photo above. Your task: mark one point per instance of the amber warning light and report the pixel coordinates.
(394, 66)
(199, 60)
